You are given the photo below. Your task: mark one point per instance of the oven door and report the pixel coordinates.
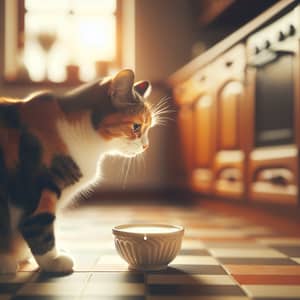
(274, 98)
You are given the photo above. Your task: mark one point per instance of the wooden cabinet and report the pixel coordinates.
(243, 99)
(195, 119)
(230, 97)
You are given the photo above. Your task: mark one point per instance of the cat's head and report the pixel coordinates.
(126, 128)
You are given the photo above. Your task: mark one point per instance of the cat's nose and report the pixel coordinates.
(145, 146)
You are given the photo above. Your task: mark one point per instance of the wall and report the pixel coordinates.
(165, 33)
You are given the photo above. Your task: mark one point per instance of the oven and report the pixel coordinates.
(273, 83)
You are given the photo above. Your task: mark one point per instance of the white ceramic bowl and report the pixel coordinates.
(148, 246)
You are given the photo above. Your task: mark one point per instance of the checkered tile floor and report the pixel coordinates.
(222, 258)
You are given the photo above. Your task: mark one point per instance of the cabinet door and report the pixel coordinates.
(230, 98)
(203, 131)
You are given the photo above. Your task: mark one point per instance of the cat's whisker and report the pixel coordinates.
(163, 102)
(121, 174)
(164, 108)
(142, 160)
(162, 119)
(137, 165)
(164, 112)
(163, 99)
(127, 171)
(166, 119)
(160, 108)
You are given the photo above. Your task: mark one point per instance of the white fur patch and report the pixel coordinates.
(53, 261)
(21, 251)
(43, 260)
(87, 148)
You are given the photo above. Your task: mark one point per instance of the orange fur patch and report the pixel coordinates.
(40, 118)
(120, 125)
(47, 203)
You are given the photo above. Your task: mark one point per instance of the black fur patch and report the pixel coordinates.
(22, 186)
(3, 169)
(31, 176)
(30, 152)
(65, 170)
(45, 180)
(38, 232)
(5, 229)
(9, 116)
(42, 219)
(42, 96)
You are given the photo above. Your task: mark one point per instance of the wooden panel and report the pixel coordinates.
(229, 162)
(229, 168)
(185, 121)
(274, 174)
(187, 92)
(229, 112)
(203, 131)
(202, 180)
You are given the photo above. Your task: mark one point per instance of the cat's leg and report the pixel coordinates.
(38, 231)
(8, 263)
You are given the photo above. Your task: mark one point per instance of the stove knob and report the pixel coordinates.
(256, 50)
(291, 30)
(267, 44)
(280, 36)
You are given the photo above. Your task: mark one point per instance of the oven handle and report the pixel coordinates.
(266, 57)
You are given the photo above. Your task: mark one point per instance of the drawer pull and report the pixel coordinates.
(228, 63)
(230, 175)
(276, 176)
(232, 179)
(279, 180)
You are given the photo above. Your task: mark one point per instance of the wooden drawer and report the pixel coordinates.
(274, 174)
(202, 180)
(229, 170)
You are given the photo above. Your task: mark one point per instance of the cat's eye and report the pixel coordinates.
(136, 127)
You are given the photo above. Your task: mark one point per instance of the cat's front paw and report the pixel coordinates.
(8, 264)
(63, 263)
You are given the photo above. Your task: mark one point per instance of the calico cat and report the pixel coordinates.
(51, 147)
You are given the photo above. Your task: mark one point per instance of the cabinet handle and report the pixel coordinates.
(279, 180)
(228, 63)
(232, 179)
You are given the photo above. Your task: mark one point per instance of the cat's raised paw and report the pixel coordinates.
(8, 264)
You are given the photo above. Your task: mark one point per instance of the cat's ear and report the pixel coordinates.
(121, 88)
(143, 88)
